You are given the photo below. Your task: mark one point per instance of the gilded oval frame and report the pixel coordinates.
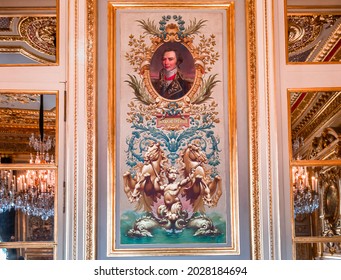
(199, 69)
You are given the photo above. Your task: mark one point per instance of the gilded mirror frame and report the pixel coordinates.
(315, 114)
(35, 233)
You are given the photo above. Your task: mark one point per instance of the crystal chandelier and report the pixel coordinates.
(306, 199)
(44, 143)
(32, 192)
(42, 147)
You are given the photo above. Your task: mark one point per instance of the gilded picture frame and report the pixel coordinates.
(172, 186)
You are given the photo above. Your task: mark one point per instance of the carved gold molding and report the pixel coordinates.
(328, 47)
(91, 77)
(91, 129)
(253, 128)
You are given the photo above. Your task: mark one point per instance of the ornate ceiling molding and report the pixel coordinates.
(302, 32)
(327, 146)
(313, 111)
(33, 37)
(331, 51)
(17, 125)
(314, 37)
(19, 118)
(19, 97)
(40, 33)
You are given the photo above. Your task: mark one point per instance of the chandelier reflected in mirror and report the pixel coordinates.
(42, 147)
(306, 199)
(31, 191)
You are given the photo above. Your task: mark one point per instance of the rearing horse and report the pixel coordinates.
(147, 180)
(202, 190)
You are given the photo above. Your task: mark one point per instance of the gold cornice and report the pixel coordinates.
(303, 106)
(307, 50)
(24, 118)
(253, 128)
(330, 44)
(325, 107)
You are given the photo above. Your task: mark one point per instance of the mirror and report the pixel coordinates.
(28, 171)
(16, 226)
(316, 191)
(315, 153)
(314, 31)
(315, 124)
(28, 32)
(316, 200)
(25, 119)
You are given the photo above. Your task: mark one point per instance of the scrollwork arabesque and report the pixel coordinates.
(191, 150)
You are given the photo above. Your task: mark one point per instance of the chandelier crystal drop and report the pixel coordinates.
(306, 199)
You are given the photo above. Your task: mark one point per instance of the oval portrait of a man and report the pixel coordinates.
(172, 71)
